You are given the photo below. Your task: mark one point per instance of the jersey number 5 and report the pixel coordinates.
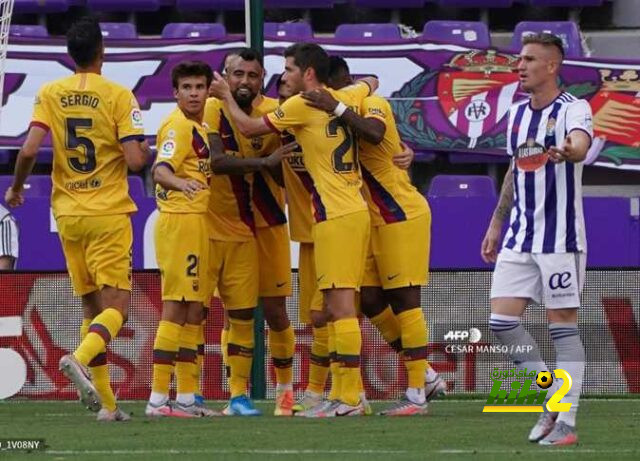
(346, 146)
(74, 141)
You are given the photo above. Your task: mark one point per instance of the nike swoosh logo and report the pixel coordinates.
(391, 277)
(279, 285)
(347, 413)
(320, 278)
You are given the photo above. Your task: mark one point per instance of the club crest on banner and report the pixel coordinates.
(477, 93)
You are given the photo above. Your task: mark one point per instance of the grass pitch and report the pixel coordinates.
(455, 429)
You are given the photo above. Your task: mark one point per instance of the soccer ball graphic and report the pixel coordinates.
(544, 379)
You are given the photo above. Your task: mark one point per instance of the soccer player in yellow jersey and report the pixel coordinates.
(248, 231)
(97, 133)
(182, 171)
(399, 256)
(341, 231)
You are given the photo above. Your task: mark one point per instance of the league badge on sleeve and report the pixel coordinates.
(167, 149)
(136, 119)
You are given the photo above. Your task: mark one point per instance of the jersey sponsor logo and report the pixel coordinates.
(560, 280)
(167, 149)
(136, 119)
(376, 112)
(531, 155)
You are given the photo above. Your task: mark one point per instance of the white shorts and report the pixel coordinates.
(553, 278)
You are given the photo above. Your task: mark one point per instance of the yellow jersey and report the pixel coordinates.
(184, 148)
(299, 186)
(88, 116)
(329, 149)
(231, 215)
(388, 190)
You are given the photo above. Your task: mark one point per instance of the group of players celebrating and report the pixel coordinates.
(227, 159)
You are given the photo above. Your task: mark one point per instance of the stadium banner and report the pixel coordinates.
(445, 97)
(456, 305)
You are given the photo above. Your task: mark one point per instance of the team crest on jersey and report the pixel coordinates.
(167, 149)
(551, 127)
(136, 119)
(257, 142)
(531, 155)
(196, 285)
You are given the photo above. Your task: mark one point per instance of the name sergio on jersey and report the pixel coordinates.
(79, 100)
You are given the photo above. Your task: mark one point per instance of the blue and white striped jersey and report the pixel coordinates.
(547, 212)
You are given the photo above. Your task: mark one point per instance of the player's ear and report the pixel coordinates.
(175, 93)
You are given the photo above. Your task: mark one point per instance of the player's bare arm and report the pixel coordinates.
(248, 126)
(163, 175)
(222, 163)
(574, 148)
(404, 159)
(489, 249)
(372, 82)
(24, 164)
(370, 129)
(136, 154)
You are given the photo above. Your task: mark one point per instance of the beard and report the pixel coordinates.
(244, 97)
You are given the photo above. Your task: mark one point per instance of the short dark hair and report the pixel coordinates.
(84, 41)
(310, 55)
(544, 39)
(246, 54)
(337, 65)
(191, 69)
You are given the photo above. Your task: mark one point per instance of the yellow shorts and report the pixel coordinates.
(97, 250)
(310, 297)
(233, 270)
(274, 256)
(341, 246)
(182, 251)
(399, 254)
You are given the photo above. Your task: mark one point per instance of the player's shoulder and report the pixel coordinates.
(514, 106)
(213, 104)
(268, 104)
(175, 121)
(375, 100)
(110, 85)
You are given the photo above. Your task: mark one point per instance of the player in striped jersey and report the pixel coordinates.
(8, 240)
(399, 256)
(543, 255)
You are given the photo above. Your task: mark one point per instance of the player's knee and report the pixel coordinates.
(372, 301)
(319, 319)
(275, 313)
(241, 314)
(569, 315)
(403, 299)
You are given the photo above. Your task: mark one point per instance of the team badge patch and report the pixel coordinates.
(136, 119)
(167, 149)
(256, 143)
(551, 127)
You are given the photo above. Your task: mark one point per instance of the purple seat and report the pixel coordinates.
(194, 30)
(5, 157)
(37, 6)
(35, 186)
(424, 156)
(465, 33)
(294, 31)
(476, 3)
(566, 30)
(45, 156)
(462, 186)
(567, 3)
(123, 5)
(209, 5)
(387, 4)
(367, 32)
(118, 30)
(136, 186)
(305, 4)
(16, 30)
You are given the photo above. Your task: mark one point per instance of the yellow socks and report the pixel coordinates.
(282, 345)
(239, 355)
(186, 363)
(334, 365)
(387, 323)
(348, 345)
(165, 350)
(100, 372)
(414, 345)
(224, 341)
(104, 327)
(319, 360)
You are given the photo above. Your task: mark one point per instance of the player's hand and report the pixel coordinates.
(320, 99)
(219, 87)
(489, 248)
(563, 153)
(13, 198)
(191, 187)
(405, 158)
(280, 153)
